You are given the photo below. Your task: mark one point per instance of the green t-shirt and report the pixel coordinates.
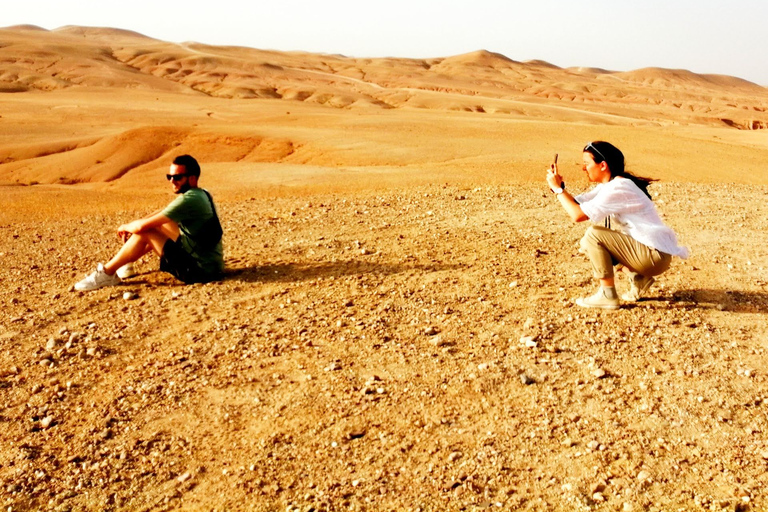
(190, 211)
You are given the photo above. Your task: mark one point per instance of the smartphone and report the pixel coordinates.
(563, 185)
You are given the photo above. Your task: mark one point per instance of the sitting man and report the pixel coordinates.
(186, 235)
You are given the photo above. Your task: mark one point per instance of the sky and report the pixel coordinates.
(703, 36)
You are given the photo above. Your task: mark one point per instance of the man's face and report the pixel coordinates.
(179, 179)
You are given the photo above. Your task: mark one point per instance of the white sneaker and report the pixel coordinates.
(638, 286)
(599, 300)
(126, 271)
(96, 280)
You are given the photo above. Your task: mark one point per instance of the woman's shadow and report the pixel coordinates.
(721, 300)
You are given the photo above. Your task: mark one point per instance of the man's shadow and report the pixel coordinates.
(293, 272)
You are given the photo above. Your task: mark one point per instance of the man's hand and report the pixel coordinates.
(126, 230)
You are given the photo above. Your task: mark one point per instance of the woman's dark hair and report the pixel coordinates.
(606, 152)
(188, 163)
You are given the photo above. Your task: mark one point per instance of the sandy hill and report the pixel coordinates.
(88, 104)
(481, 81)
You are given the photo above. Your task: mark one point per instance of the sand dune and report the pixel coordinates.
(33, 59)
(99, 104)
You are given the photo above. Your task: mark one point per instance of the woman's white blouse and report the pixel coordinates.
(631, 212)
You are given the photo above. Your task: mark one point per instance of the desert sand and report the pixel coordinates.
(396, 329)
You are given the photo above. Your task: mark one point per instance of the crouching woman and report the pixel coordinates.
(626, 229)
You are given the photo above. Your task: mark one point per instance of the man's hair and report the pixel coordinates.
(189, 163)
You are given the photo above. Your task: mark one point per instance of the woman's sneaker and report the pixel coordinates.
(599, 300)
(97, 279)
(638, 285)
(126, 271)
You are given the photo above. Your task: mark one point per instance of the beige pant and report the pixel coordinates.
(606, 248)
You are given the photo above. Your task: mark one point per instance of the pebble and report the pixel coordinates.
(599, 373)
(454, 456)
(356, 433)
(46, 422)
(184, 477)
(431, 330)
(52, 344)
(529, 341)
(526, 379)
(643, 476)
(129, 296)
(439, 341)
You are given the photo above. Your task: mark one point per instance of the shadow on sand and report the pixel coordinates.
(291, 272)
(721, 300)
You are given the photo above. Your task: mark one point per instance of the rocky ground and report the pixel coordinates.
(412, 349)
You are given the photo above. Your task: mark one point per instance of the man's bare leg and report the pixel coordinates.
(135, 247)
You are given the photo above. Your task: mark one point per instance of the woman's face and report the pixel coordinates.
(597, 173)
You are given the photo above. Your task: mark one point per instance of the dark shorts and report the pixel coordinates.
(182, 265)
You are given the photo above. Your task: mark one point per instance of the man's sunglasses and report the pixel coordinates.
(176, 177)
(590, 145)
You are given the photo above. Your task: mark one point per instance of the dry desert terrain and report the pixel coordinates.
(396, 329)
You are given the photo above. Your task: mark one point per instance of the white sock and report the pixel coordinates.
(609, 291)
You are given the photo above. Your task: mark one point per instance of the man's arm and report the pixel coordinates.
(147, 223)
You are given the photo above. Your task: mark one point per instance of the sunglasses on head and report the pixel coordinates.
(592, 146)
(176, 177)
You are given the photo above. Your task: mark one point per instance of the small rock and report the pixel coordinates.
(529, 341)
(643, 476)
(599, 373)
(333, 367)
(599, 487)
(46, 422)
(526, 379)
(439, 341)
(724, 415)
(129, 296)
(454, 456)
(52, 344)
(598, 497)
(184, 477)
(593, 445)
(356, 433)
(431, 331)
